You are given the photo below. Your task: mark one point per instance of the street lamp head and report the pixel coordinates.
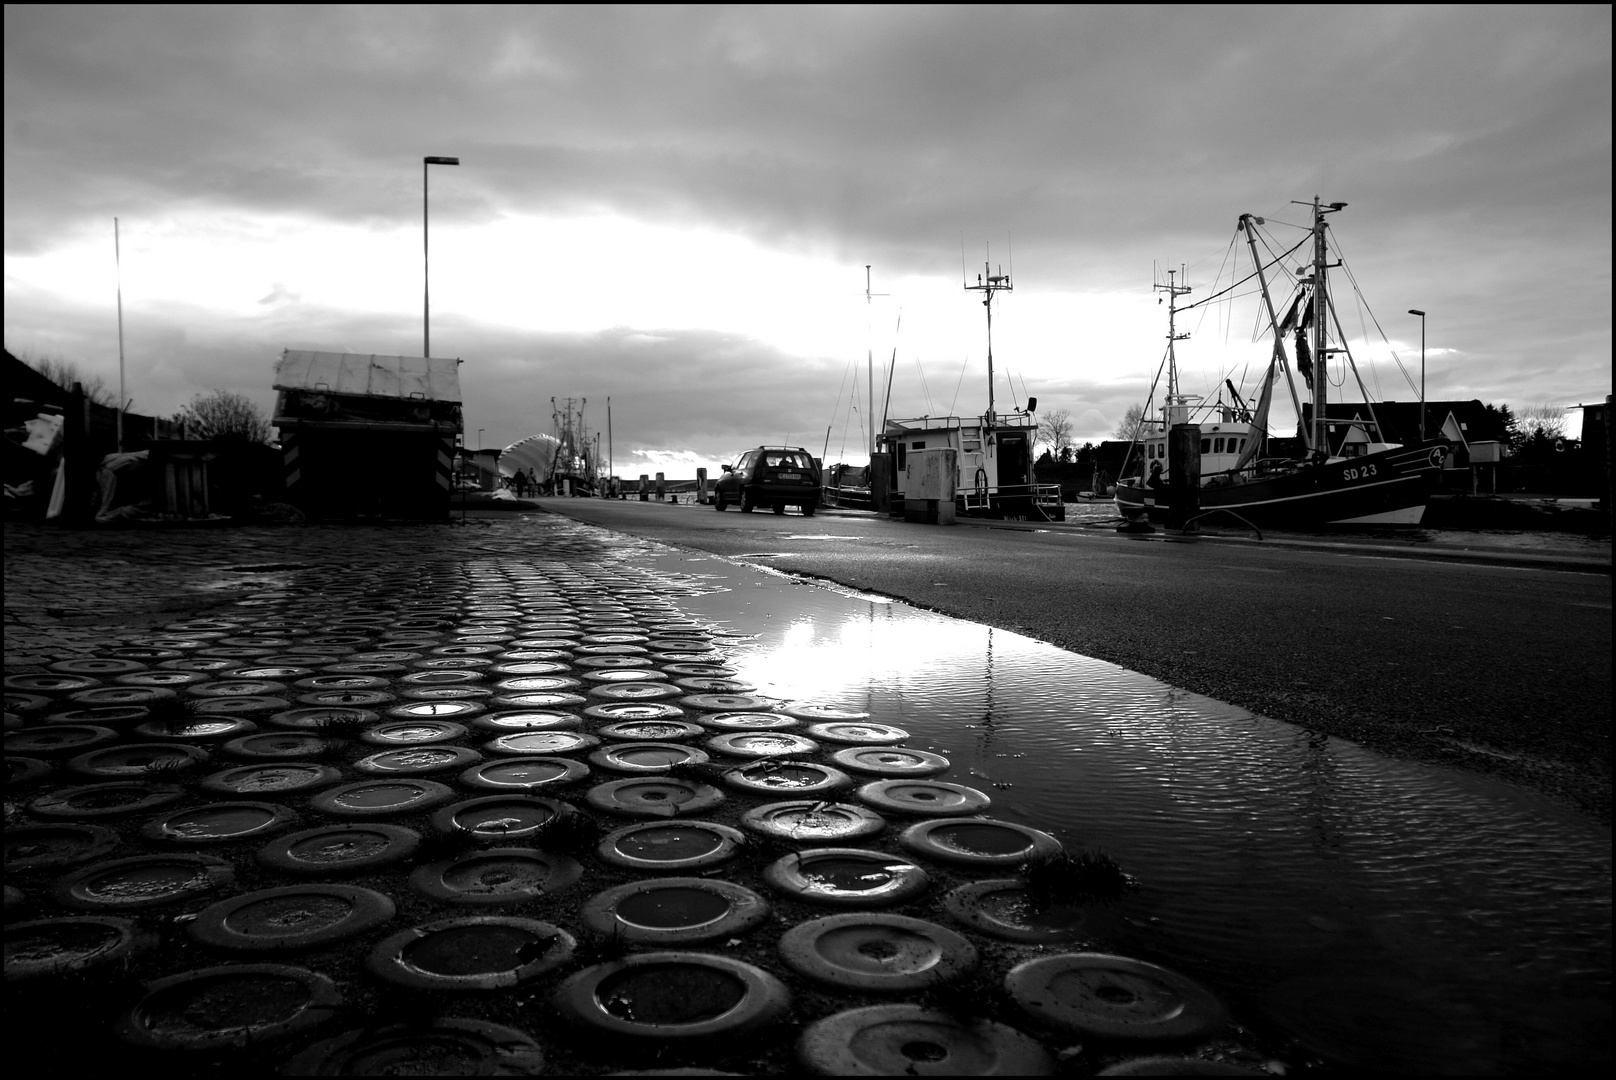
(1416, 311)
(442, 160)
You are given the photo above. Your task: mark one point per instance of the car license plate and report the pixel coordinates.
(788, 476)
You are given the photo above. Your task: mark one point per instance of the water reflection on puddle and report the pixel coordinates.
(1384, 912)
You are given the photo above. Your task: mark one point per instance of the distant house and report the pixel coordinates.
(1463, 423)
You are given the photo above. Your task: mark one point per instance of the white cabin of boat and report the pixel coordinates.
(994, 459)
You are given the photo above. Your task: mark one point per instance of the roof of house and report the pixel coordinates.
(367, 375)
(1400, 420)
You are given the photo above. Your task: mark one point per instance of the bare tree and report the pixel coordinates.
(65, 373)
(1545, 420)
(223, 414)
(1128, 427)
(1055, 430)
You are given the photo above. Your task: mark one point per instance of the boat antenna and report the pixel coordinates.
(1173, 290)
(988, 283)
(869, 358)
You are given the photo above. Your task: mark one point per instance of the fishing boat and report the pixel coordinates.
(575, 464)
(992, 452)
(1200, 459)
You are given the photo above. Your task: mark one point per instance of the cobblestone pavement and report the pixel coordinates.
(414, 702)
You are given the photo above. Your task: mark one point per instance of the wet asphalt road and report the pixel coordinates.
(1496, 667)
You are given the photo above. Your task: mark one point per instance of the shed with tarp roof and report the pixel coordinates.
(368, 436)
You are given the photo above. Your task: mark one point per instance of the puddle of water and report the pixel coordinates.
(1424, 919)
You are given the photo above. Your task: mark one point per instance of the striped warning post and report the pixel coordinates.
(446, 451)
(290, 455)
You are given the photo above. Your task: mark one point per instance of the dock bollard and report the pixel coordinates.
(645, 490)
(701, 487)
(659, 487)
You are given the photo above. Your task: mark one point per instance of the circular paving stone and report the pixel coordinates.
(57, 739)
(537, 701)
(383, 668)
(727, 702)
(675, 911)
(21, 771)
(635, 691)
(237, 688)
(229, 1007)
(846, 877)
(911, 1040)
(977, 842)
(18, 702)
(1001, 908)
(824, 714)
(528, 684)
(808, 821)
(104, 800)
(198, 728)
(714, 684)
(527, 668)
(443, 1047)
(749, 721)
(1113, 997)
(142, 881)
(95, 668)
(1177, 1066)
(382, 797)
(645, 757)
(890, 761)
(494, 818)
(147, 655)
(131, 761)
(760, 744)
(624, 711)
(547, 743)
(171, 680)
(276, 746)
(112, 716)
(278, 673)
(123, 695)
(487, 952)
(444, 693)
(711, 671)
(219, 822)
(868, 951)
(61, 945)
(316, 719)
(782, 776)
(621, 677)
(251, 705)
(270, 778)
(33, 847)
(437, 710)
(858, 733)
(51, 685)
(203, 664)
(397, 733)
(651, 731)
(416, 760)
(663, 847)
(346, 699)
(341, 682)
(608, 663)
(653, 796)
(340, 849)
(902, 796)
(524, 775)
(503, 723)
(673, 997)
(503, 875)
(291, 917)
(610, 650)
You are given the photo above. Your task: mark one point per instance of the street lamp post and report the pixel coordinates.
(426, 287)
(480, 439)
(1421, 314)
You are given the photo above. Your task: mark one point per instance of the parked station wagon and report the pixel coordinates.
(773, 476)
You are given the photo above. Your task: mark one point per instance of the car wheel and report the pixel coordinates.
(808, 509)
(746, 501)
(719, 502)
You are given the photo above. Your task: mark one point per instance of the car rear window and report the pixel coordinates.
(779, 459)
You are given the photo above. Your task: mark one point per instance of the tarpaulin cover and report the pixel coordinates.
(366, 375)
(534, 452)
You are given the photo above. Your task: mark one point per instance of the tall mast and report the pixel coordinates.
(869, 355)
(1321, 316)
(1173, 290)
(1246, 221)
(988, 283)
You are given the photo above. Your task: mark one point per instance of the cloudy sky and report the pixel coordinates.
(675, 207)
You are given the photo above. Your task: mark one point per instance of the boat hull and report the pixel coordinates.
(1388, 488)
